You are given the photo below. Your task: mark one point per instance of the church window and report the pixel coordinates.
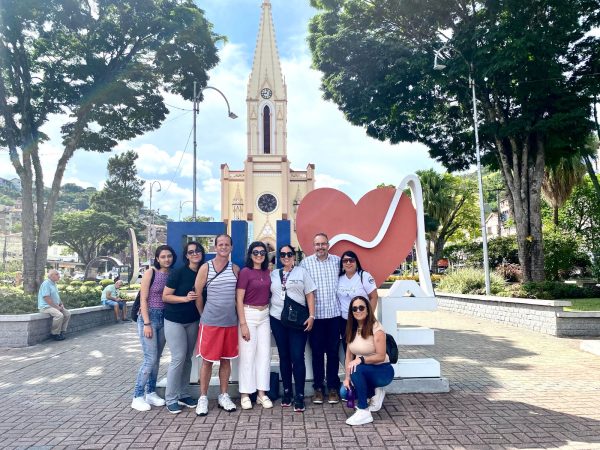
(266, 130)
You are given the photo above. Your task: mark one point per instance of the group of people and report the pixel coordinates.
(218, 312)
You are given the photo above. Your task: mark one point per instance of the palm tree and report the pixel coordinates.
(560, 180)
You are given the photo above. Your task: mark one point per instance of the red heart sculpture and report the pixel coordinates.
(332, 212)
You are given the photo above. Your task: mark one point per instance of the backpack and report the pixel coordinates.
(135, 309)
(391, 348)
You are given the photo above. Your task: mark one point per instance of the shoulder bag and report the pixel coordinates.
(135, 309)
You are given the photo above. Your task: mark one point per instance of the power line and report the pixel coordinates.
(180, 160)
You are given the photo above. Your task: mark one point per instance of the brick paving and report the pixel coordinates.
(510, 388)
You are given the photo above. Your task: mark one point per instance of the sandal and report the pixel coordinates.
(246, 403)
(264, 401)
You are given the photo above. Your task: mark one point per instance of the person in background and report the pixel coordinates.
(252, 301)
(49, 302)
(181, 326)
(353, 281)
(296, 282)
(368, 366)
(150, 324)
(324, 338)
(218, 334)
(110, 297)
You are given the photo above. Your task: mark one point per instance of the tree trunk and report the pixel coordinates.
(438, 248)
(523, 170)
(555, 216)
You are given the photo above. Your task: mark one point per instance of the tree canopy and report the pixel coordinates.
(104, 67)
(529, 62)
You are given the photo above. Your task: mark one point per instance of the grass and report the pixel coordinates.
(584, 304)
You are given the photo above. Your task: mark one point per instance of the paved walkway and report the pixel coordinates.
(510, 388)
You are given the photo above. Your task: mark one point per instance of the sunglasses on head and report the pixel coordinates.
(259, 252)
(349, 260)
(194, 252)
(286, 254)
(360, 308)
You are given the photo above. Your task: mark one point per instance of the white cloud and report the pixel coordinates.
(324, 180)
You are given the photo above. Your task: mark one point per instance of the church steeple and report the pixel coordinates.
(267, 94)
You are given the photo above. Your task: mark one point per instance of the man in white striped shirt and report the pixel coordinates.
(325, 336)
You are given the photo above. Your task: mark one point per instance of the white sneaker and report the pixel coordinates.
(225, 402)
(140, 404)
(202, 407)
(153, 399)
(377, 400)
(360, 417)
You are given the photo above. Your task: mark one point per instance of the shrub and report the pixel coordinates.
(510, 272)
(553, 290)
(76, 283)
(563, 255)
(90, 283)
(106, 282)
(470, 281)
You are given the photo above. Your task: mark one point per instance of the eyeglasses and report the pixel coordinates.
(321, 244)
(194, 252)
(349, 260)
(360, 308)
(259, 252)
(286, 254)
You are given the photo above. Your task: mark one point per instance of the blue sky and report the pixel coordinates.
(344, 156)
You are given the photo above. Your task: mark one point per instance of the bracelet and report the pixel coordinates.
(312, 317)
(147, 324)
(245, 323)
(362, 359)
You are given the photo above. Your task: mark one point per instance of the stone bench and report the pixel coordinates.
(23, 330)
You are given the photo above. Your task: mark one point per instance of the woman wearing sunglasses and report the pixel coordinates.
(299, 286)
(353, 281)
(181, 326)
(252, 302)
(368, 366)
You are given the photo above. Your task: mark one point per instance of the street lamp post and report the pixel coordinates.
(151, 216)
(181, 207)
(439, 55)
(230, 114)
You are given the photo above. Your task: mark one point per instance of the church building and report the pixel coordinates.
(267, 189)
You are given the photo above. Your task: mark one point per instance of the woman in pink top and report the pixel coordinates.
(368, 366)
(252, 301)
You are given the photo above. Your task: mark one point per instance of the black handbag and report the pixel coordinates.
(294, 314)
(135, 309)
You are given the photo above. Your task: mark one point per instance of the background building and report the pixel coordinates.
(267, 189)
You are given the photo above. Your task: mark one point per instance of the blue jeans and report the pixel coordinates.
(325, 340)
(290, 346)
(152, 348)
(369, 376)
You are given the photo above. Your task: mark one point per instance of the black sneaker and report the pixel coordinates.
(286, 399)
(58, 337)
(174, 408)
(299, 404)
(187, 401)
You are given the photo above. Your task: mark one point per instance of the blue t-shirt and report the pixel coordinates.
(113, 293)
(48, 288)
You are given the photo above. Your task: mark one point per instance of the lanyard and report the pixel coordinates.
(284, 277)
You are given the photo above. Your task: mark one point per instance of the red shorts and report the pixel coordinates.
(215, 343)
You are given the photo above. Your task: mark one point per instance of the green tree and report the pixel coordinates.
(377, 62)
(74, 197)
(123, 189)
(560, 180)
(104, 66)
(87, 232)
(448, 203)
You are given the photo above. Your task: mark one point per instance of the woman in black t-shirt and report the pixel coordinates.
(181, 326)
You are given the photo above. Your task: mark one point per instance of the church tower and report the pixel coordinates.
(267, 189)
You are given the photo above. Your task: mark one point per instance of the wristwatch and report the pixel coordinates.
(362, 359)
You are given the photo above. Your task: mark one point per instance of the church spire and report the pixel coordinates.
(267, 94)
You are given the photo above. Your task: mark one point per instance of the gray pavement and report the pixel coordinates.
(510, 388)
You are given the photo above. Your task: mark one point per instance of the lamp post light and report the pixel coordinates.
(151, 216)
(181, 207)
(230, 114)
(439, 55)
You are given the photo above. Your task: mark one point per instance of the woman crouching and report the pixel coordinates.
(368, 366)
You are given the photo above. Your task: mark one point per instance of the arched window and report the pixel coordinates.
(266, 130)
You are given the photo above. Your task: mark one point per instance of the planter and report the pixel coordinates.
(544, 316)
